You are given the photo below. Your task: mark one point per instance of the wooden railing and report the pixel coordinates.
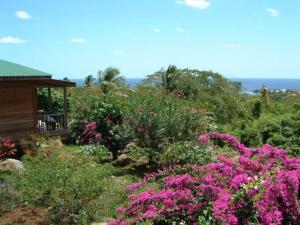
(50, 123)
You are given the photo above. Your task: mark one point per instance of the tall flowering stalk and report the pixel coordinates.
(260, 186)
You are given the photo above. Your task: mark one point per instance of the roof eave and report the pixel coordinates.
(5, 78)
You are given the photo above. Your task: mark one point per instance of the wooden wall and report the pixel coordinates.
(17, 107)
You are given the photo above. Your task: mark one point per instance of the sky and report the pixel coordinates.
(74, 38)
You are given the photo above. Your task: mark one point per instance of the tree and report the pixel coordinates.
(89, 81)
(265, 97)
(257, 109)
(166, 79)
(66, 79)
(110, 78)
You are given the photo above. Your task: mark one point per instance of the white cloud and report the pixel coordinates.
(179, 29)
(156, 30)
(23, 15)
(273, 12)
(119, 52)
(200, 4)
(12, 40)
(232, 45)
(77, 40)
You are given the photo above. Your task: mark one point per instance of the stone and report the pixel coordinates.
(57, 143)
(12, 165)
(123, 160)
(131, 145)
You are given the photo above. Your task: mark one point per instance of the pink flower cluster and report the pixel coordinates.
(261, 185)
(7, 147)
(90, 134)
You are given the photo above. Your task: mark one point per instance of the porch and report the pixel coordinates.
(49, 119)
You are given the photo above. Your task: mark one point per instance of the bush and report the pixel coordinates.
(278, 130)
(7, 147)
(70, 186)
(186, 153)
(98, 119)
(260, 186)
(99, 151)
(159, 120)
(57, 100)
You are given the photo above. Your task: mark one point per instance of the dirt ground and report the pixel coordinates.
(26, 216)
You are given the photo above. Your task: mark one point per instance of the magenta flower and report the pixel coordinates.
(260, 182)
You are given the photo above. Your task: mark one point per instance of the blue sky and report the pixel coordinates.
(74, 38)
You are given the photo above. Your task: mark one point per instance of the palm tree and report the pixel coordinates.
(110, 78)
(166, 79)
(89, 80)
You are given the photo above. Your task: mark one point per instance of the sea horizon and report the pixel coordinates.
(248, 84)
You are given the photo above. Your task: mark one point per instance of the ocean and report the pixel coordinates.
(248, 84)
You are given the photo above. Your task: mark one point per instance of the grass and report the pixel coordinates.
(65, 186)
(74, 188)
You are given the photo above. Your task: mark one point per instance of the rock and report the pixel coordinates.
(45, 146)
(57, 143)
(123, 160)
(131, 145)
(11, 165)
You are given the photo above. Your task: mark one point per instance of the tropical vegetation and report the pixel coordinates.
(183, 147)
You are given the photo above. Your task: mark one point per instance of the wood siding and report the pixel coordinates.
(17, 106)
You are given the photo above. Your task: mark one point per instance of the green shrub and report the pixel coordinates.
(7, 192)
(107, 111)
(70, 184)
(57, 100)
(159, 120)
(99, 151)
(186, 153)
(278, 130)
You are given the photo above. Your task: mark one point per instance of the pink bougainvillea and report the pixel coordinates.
(90, 134)
(260, 186)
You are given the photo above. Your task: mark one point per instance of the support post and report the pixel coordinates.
(65, 108)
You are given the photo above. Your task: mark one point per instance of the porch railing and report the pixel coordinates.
(48, 123)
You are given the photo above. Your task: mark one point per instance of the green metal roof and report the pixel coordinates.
(11, 70)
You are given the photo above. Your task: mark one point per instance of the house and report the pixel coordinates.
(19, 115)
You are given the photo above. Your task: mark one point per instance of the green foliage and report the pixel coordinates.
(257, 109)
(158, 120)
(108, 112)
(110, 79)
(186, 153)
(278, 130)
(100, 151)
(89, 81)
(73, 186)
(57, 100)
(265, 97)
(7, 192)
(206, 216)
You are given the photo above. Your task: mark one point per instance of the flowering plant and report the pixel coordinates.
(96, 150)
(7, 147)
(260, 186)
(90, 134)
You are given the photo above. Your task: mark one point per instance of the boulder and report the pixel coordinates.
(123, 160)
(57, 143)
(11, 165)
